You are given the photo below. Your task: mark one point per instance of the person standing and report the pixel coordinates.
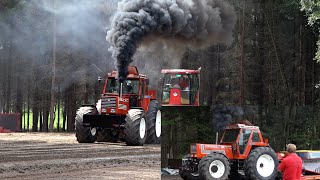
(291, 165)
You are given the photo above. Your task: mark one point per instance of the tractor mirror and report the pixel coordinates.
(147, 82)
(99, 79)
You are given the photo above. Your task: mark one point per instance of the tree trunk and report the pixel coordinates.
(71, 108)
(19, 101)
(242, 86)
(28, 107)
(35, 115)
(64, 114)
(41, 120)
(58, 123)
(53, 81)
(9, 67)
(45, 119)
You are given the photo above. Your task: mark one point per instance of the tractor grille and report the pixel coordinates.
(109, 102)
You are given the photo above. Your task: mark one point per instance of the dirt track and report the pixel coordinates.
(59, 156)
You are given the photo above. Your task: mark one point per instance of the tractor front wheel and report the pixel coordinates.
(261, 163)
(154, 123)
(135, 127)
(214, 166)
(85, 134)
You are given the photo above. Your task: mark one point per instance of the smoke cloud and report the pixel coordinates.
(28, 29)
(176, 23)
(225, 115)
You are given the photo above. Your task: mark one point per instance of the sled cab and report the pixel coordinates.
(180, 87)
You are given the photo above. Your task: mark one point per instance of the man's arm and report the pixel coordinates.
(281, 166)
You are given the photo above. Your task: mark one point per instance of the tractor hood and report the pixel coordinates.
(201, 150)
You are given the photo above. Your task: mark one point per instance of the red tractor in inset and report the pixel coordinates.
(242, 147)
(126, 110)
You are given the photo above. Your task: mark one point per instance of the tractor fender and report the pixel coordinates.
(220, 152)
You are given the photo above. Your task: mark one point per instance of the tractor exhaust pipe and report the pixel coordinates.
(217, 135)
(120, 92)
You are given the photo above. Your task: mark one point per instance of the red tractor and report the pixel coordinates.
(126, 110)
(242, 147)
(180, 87)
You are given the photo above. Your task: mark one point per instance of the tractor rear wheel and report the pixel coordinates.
(261, 163)
(154, 123)
(85, 134)
(214, 166)
(135, 127)
(108, 135)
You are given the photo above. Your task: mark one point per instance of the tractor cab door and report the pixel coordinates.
(244, 140)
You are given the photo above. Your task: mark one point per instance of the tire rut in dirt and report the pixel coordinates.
(152, 137)
(250, 166)
(84, 134)
(205, 166)
(132, 127)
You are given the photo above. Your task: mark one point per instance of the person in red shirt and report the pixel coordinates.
(184, 82)
(291, 165)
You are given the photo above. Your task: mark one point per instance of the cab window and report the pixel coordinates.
(255, 137)
(244, 139)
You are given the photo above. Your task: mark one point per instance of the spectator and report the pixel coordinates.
(291, 165)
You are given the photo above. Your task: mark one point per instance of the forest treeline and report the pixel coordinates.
(51, 53)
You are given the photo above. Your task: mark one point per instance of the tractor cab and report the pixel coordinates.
(180, 87)
(118, 98)
(242, 138)
(236, 142)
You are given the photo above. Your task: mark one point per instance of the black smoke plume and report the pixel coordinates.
(182, 23)
(225, 115)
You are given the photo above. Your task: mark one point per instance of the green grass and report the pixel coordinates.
(55, 127)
